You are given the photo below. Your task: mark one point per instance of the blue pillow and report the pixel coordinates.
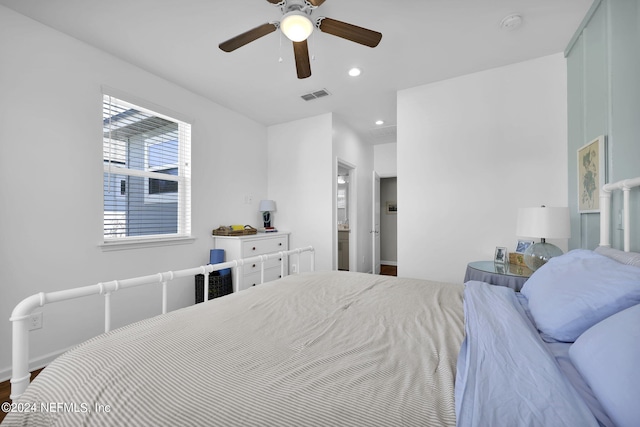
(574, 291)
(607, 357)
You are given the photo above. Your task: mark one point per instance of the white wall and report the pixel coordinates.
(385, 159)
(51, 169)
(300, 180)
(302, 170)
(471, 151)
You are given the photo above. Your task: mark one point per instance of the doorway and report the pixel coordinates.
(389, 224)
(385, 224)
(346, 217)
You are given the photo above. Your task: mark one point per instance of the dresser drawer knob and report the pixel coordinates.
(253, 249)
(280, 244)
(253, 266)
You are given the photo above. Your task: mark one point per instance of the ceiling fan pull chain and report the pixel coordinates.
(280, 50)
(312, 43)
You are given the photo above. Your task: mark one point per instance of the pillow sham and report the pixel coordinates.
(574, 291)
(607, 357)
(630, 258)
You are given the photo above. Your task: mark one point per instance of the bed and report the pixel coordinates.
(350, 349)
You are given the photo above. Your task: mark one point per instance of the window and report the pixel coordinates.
(147, 186)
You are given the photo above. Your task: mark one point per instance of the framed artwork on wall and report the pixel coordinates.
(591, 174)
(391, 208)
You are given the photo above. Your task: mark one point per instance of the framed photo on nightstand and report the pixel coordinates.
(500, 257)
(523, 245)
(517, 258)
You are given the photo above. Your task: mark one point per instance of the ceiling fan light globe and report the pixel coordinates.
(296, 26)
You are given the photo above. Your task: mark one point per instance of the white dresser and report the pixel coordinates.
(238, 247)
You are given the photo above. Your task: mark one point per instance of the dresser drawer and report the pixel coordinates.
(253, 279)
(264, 246)
(254, 267)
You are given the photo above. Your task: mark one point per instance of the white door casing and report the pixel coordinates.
(375, 232)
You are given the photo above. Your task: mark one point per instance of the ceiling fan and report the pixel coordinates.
(297, 25)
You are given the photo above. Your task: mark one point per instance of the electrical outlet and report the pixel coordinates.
(620, 224)
(35, 321)
(248, 199)
(294, 268)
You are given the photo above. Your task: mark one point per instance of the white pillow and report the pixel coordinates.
(607, 357)
(574, 291)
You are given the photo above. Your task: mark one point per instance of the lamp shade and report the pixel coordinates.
(296, 26)
(267, 206)
(544, 223)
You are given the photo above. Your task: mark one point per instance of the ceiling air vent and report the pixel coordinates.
(315, 95)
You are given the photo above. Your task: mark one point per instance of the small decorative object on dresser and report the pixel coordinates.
(266, 207)
(234, 230)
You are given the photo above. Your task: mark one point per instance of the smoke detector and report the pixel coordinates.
(511, 22)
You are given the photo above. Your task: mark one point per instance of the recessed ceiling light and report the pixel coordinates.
(354, 72)
(379, 122)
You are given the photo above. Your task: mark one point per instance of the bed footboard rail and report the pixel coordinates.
(22, 312)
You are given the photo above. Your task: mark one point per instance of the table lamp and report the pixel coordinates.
(266, 207)
(543, 223)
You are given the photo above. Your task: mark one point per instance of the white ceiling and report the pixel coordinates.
(423, 41)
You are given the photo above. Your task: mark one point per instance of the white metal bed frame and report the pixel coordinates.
(20, 316)
(605, 210)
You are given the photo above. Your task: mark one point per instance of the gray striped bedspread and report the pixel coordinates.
(315, 349)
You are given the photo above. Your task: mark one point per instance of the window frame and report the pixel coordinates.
(183, 178)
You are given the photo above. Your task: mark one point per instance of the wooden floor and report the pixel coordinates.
(388, 270)
(5, 392)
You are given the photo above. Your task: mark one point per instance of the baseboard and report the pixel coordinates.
(34, 364)
(394, 263)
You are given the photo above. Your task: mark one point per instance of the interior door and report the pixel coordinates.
(375, 232)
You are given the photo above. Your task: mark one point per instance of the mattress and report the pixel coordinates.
(315, 349)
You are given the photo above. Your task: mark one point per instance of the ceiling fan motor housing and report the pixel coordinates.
(303, 6)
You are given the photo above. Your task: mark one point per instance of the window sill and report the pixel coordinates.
(120, 245)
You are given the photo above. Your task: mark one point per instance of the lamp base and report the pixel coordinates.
(538, 254)
(266, 218)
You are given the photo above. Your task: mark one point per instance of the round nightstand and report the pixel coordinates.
(509, 275)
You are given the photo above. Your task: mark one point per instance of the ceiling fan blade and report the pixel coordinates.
(301, 52)
(274, 1)
(350, 32)
(316, 2)
(247, 37)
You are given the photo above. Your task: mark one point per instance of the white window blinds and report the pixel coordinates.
(147, 185)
